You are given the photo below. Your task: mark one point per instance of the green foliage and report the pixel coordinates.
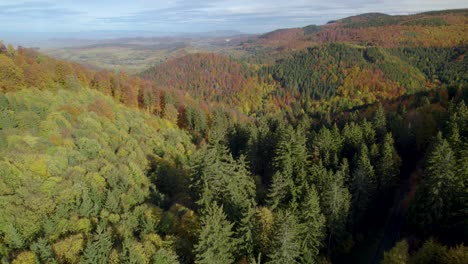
(434, 197)
(398, 254)
(286, 246)
(217, 177)
(84, 179)
(370, 20)
(74, 167)
(430, 252)
(335, 201)
(98, 248)
(363, 185)
(444, 65)
(311, 29)
(216, 240)
(316, 73)
(387, 168)
(313, 224)
(428, 22)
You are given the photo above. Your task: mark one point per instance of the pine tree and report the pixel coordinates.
(379, 121)
(264, 228)
(217, 177)
(335, 203)
(216, 240)
(387, 165)
(98, 248)
(313, 223)
(286, 246)
(245, 232)
(290, 161)
(362, 185)
(398, 254)
(434, 197)
(279, 190)
(43, 250)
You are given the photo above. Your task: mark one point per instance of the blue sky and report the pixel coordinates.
(251, 16)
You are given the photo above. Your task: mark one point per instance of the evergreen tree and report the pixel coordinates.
(398, 254)
(264, 228)
(387, 165)
(279, 190)
(291, 161)
(216, 240)
(362, 185)
(217, 177)
(434, 197)
(98, 248)
(286, 246)
(335, 204)
(314, 225)
(379, 121)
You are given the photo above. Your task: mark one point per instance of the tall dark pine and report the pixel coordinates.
(216, 240)
(362, 185)
(435, 195)
(314, 226)
(286, 242)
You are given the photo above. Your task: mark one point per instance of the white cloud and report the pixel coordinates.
(197, 15)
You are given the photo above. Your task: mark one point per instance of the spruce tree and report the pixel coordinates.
(398, 254)
(216, 242)
(279, 190)
(335, 203)
(98, 248)
(362, 185)
(387, 165)
(313, 224)
(379, 121)
(286, 246)
(435, 195)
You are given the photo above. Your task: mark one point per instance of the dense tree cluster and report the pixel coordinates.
(73, 179)
(206, 159)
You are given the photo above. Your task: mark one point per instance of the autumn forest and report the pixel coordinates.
(338, 143)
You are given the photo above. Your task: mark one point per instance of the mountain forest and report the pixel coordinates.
(340, 143)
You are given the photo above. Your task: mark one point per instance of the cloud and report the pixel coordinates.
(198, 15)
(35, 10)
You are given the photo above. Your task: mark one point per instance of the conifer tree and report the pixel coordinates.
(379, 121)
(335, 204)
(98, 248)
(362, 185)
(398, 254)
(314, 225)
(387, 165)
(216, 240)
(434, 197)
(286, 246)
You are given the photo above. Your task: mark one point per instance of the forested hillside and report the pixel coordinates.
(343, 149)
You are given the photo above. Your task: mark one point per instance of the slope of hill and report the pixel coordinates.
(293, 154)
(74, 176)
(210, 76)
(432, 29)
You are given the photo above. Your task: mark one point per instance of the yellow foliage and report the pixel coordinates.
(97, 180)
(114, 218)
(266, 220)
(151, 243)
(11, 77)
(68, 249)
(39, 167)
(114, 257)
(83, 225)
(26, 257)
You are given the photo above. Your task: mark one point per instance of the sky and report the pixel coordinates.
(250, 16)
